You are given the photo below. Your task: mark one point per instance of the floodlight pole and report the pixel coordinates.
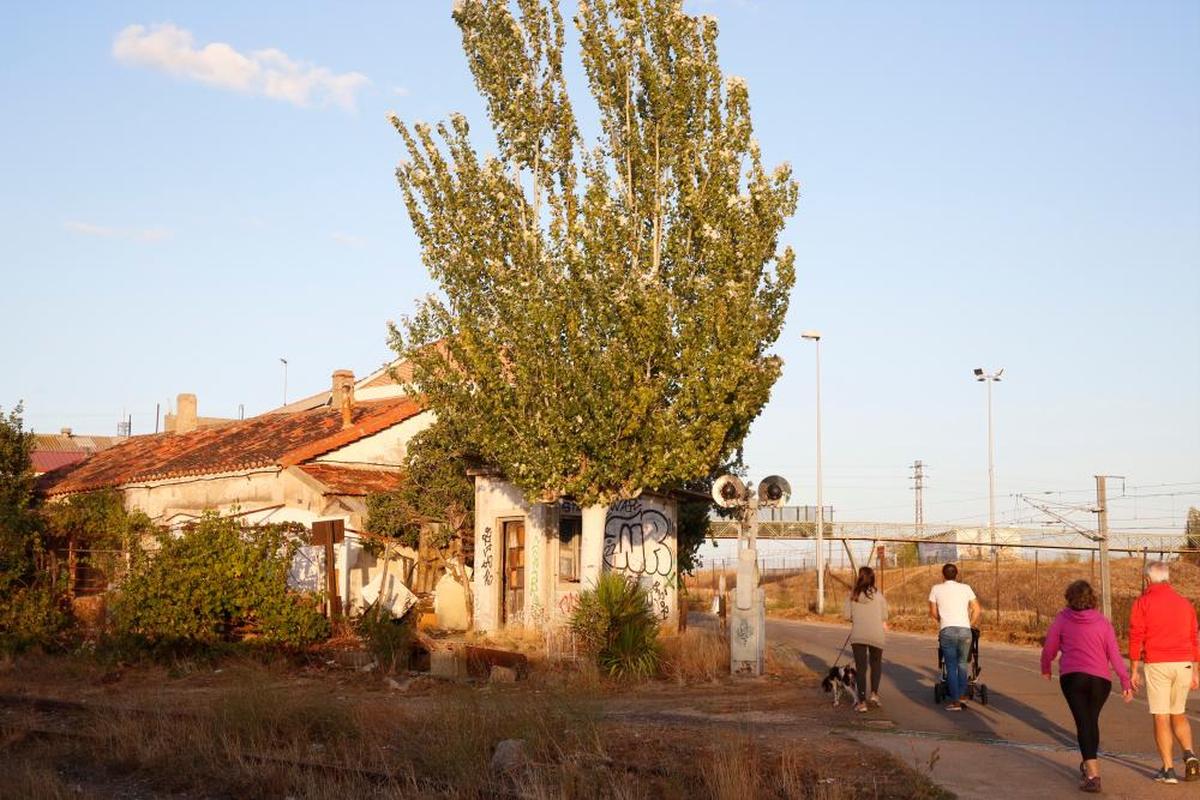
(992, 501)
(284, 362)
(815, 337)
(989, 378)
(1102, 534)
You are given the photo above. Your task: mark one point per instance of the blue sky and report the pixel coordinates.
(1007, 185)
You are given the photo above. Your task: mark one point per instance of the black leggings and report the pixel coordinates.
(861, 652)
(1086, 695)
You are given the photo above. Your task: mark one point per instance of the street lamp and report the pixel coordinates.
(284, 362)
(815, 336)
(989, 378)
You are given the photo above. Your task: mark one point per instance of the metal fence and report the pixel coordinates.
(1018, 595)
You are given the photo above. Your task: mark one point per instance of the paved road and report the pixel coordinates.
(1022, 744)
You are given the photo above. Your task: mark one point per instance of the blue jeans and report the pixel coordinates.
(955, 644)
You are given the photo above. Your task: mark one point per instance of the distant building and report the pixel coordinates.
(53, 450)
(185, 413)
(968, 543)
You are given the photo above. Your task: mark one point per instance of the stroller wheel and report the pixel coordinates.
(983, 694)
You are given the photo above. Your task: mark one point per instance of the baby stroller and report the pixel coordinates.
(975, 689)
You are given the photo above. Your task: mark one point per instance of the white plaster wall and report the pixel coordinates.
(386, 447)
(181, 500)
(640, 541)
(246, 490)
(495, 500)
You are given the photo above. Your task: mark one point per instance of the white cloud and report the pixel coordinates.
(106, 232)
(349, 240)
(400, 91)
(269, 72)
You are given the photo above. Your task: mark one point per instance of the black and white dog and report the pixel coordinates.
(842, 681)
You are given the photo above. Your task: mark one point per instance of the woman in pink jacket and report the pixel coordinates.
(1089, 648)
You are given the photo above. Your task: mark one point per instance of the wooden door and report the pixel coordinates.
(514, 570)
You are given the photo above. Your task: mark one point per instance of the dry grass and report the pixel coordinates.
(256, 731)
(697, 655)
(734, 770)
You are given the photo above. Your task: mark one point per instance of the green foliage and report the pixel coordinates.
(692, 530)
(616, 624)
(32, 611)
(388, 639)
(33, 616)
(19, 541)
(607, 308)
(217, 581)
(102, 530)
(693, 527)
(97, 520)
(908, 555)
(436, 490)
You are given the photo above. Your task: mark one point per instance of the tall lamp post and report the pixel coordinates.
(815, 336)
(989, 378)
(284, 362)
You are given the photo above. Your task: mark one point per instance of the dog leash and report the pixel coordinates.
(842, 652)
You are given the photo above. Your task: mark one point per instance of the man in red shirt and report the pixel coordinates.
(1162, 632)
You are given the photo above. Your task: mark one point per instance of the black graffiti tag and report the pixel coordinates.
(636, 541)
(487, 557)
(658, 600)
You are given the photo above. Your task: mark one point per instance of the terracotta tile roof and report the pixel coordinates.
(269, 440)
(343, 480)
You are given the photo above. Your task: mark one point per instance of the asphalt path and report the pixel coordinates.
(1026, 724)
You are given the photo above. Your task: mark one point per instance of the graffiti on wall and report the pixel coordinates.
(534, 551)
(659, 600)
(637, 540)
(566, 603)
(487, 557)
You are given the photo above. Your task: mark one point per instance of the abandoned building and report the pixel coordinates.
(532, 559)
(310, 466)
(315, 460)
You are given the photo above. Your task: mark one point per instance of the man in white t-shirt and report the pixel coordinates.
(955, 609)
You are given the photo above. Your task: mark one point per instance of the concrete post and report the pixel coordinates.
(592, 555)
(748, 632)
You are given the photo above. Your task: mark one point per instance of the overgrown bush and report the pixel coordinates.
(217, 581)
(33, 616)
(388, 639)
(616, 624)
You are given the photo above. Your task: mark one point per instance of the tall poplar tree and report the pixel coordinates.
(608, 302)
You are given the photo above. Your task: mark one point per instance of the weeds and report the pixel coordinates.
(388, 639)
(696, 655)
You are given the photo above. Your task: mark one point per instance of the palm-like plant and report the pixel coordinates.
(615, 622)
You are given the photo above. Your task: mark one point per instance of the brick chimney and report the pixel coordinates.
(185, 413)
(342, 396)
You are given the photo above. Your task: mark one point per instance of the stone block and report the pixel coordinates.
(447, 664)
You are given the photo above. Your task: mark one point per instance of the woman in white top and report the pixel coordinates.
(867, 610)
